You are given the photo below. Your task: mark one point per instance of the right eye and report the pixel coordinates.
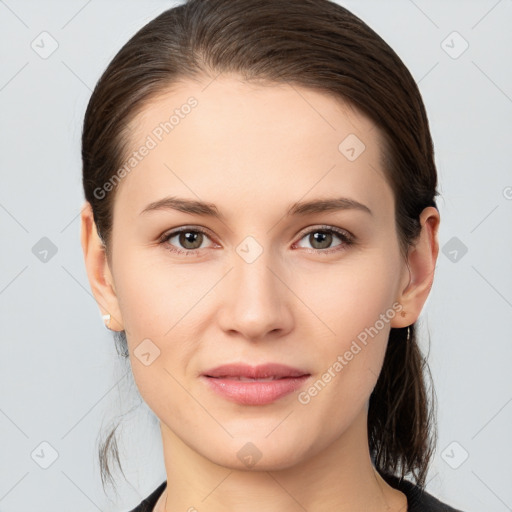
(190, 239)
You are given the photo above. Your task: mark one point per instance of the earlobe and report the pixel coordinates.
(98, 271)
(421, 264)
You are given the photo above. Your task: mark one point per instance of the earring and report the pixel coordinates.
(106, 319)
(408, 333)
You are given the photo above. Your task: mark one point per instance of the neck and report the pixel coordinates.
(339, 477)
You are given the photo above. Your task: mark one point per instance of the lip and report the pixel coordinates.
(225, 380)
(261, 371)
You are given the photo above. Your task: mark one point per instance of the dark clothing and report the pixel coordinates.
(417, 499)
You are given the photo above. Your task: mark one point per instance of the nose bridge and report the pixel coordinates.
(257, 302)
(252, 273)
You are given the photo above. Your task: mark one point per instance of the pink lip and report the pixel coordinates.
(223, 380)
(255, 393)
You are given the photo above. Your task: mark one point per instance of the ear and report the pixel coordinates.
(98, 271)
(419, 276)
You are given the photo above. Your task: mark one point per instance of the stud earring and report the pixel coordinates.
(106, 319)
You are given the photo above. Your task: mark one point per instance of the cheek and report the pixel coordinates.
(354, 303)
(154, 294)
(158, 303)
(351, 296)
(349, 362)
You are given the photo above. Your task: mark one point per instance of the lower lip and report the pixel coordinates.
(256, 392)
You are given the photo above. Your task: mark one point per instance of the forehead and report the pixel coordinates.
(223, 105)
(231, 140)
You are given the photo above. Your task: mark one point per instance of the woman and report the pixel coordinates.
(260, 231)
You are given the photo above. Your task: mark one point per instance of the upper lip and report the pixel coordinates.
(261, 371)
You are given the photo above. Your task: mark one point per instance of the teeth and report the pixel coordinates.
(249, 379)
(259, 380)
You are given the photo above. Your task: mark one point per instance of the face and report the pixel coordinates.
(263, 281)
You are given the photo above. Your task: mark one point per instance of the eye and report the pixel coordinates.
(321, 239)
(190, 239)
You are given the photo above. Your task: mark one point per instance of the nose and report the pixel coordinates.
(256, 299)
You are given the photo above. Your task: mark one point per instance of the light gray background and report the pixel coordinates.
(59, 376)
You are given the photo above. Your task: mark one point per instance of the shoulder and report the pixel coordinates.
(149, 503)
(418, 499)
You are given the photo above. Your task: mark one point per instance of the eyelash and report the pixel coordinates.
(346, 238)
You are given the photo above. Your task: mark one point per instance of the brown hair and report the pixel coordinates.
(323, 46)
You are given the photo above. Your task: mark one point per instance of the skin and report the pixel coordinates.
(254, 150)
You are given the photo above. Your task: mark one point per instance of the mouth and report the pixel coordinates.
(263, 371)
(253, 391)
(260, 385)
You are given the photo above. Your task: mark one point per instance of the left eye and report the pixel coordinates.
(322, 238)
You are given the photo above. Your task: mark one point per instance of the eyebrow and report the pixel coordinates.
(194, 207)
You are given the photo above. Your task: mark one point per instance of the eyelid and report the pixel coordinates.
(325, 227)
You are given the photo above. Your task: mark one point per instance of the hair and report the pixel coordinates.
(323, 46)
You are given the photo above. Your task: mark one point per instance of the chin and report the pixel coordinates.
(255, 453)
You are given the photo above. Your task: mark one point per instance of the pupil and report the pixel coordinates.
(322, 237)
(189, 237)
